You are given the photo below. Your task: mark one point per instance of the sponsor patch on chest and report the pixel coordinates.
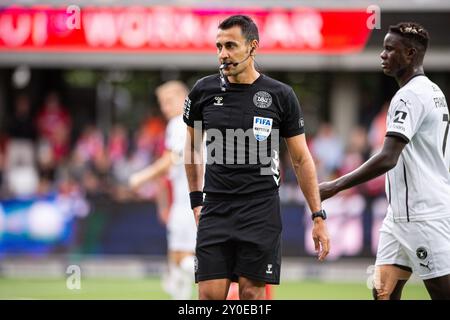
(262, 127)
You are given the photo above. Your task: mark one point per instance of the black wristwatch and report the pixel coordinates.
(320, 213)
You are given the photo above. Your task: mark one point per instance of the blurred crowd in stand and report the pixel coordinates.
(38, 156)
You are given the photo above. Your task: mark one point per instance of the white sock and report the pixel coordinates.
(169, 279)
(188, 265)
(185, 272)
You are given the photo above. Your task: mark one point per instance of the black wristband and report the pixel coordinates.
(321, 213)
(196, 199)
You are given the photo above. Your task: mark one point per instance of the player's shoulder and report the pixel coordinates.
(419, 89)
(204, 87)
(175, 122)
(175, 126)
(207, 82)
(419, 86)
(275, 85)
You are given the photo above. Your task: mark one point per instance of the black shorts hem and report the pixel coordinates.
(215, 276)
(235, 277)
(257, 278)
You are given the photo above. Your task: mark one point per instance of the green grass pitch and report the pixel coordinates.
(150, 289)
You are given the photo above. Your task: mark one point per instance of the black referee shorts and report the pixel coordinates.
(240, 237)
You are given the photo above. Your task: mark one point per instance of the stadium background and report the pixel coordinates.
(64, 199)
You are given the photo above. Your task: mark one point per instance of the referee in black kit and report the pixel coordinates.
(244, 114)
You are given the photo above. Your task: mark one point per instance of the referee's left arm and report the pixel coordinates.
(305, 170)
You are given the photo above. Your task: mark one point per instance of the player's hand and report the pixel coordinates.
(327, 190)
(197, 211)
(321, 238)
(134, 182)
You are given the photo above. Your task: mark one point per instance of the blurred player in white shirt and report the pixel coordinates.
(181, 228)
(415, 156)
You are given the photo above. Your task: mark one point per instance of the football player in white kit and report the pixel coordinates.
(181, 227)
(415, 235)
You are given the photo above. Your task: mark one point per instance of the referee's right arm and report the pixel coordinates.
(193, 163)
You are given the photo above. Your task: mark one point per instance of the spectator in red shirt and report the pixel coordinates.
(54, 125)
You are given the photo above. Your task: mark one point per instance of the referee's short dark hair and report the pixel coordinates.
(414, 35)
(248, 27)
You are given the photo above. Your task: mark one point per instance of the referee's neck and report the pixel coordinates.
(245, 77)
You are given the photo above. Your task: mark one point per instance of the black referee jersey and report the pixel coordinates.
(259, 112)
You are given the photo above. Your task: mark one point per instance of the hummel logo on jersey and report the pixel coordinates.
(218, 101)
(275, 167)
(187, 107)
(269, 269)
(400, 117)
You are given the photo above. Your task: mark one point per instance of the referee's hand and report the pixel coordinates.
(321, 238)
(197, 211)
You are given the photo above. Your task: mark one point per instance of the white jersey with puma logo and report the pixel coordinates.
(418, 187)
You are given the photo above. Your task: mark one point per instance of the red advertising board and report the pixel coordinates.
(175, 29)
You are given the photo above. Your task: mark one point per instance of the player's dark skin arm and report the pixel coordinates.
(379, 164)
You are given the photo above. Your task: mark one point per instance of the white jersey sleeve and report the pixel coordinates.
(176, 136)
(406, 114)
(175, 140)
